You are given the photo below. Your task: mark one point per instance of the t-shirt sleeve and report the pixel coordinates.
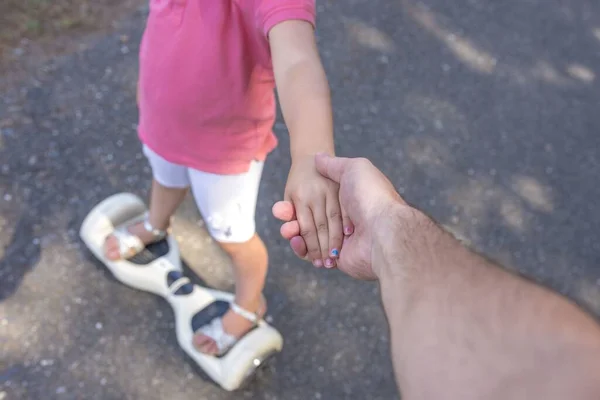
(272, 12)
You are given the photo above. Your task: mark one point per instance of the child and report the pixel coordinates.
(208, 70)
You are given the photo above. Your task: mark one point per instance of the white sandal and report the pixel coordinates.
(224, 340)
(130, 245)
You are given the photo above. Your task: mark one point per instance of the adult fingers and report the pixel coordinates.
(331, 167)
(298, 245)
(347, 222)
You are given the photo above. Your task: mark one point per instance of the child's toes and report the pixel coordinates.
(111, 249)
(113, 254)
(202, 343)
(211, 349)
(199, 341)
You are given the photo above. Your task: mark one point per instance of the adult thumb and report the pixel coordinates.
(331, 167)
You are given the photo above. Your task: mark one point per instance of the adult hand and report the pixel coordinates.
(365, 195)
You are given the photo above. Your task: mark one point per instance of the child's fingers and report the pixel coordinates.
(322, 225)
(346, 222)
(336, 232)
(308, 232)
(290, 229)
(298, 245)
(284, 211)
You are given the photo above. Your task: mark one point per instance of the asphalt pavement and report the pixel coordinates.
(486, 115)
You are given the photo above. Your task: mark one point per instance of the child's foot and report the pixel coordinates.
(234, 324)
(129, 242)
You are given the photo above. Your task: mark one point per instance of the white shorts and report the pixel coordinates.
(227, 203)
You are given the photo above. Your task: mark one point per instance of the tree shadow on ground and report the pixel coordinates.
(482, 115)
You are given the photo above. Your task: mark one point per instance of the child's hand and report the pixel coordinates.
(317, 208)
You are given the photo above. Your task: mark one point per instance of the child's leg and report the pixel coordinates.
(169, 187)
(228, 204)
(164, 201)
(250, 263)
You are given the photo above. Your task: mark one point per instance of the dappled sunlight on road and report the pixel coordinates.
(483, 201)
(464, 49)
(53, 316)
(588, 293)
(543, 71)
(5, 234)
(478, 199)
(427, 153)
(485, 62)
(436, 115)
(368, 36)
(201, 253)
(40, 294)
(480, 202)
(533, 192)
(484, 115)
(596, 33)
(512, 214)
(583, 73)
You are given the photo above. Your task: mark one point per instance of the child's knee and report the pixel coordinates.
(238, 247)
(252, 250)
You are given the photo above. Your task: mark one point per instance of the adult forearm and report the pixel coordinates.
(463, 328)
(306, 104)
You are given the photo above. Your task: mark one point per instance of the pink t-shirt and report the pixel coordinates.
(207, 96)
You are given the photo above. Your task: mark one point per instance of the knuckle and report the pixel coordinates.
(334, 214)
(322, 227)
(299, 193)
(306, 233)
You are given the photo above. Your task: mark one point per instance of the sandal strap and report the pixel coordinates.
(129, 244)
(250, 316)
(216, 332)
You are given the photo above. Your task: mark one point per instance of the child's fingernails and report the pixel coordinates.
(335, 253)
(348, 230)
(329, 263)
(318, 263)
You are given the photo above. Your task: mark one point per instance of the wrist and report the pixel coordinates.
(301, 151)
(400, 233)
